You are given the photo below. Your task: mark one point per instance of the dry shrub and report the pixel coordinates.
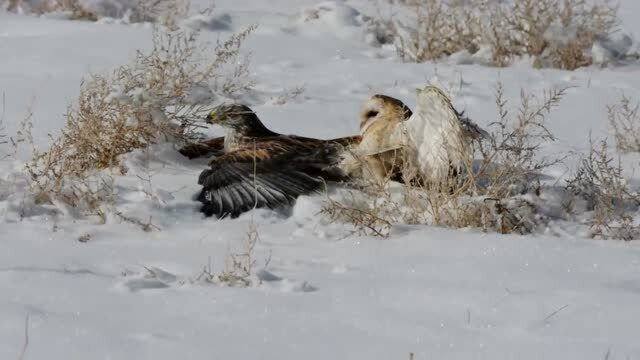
(599, 181)
(437, 29)
(498, 191)
(555, 33)
(161, 96)
(165, 12)
(75, 8)
(624, 119)
(239, 267)
(23, 135)
(495, 192)
(510, 159)
(369, 217)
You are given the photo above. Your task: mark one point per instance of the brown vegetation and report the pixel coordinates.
(135, 106)
(625, 122)
(554, 33)
(600, 182)
(165, 12)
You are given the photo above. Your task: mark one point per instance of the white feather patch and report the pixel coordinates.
(434, 136)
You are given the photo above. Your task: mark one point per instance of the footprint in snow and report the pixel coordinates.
(155, 278)
(271, 281)
(144, 284)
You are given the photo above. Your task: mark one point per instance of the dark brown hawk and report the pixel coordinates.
(258, 168)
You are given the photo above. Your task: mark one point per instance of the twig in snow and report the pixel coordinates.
(26, 338)
(555, 313)
(508, 291)
(146, 226)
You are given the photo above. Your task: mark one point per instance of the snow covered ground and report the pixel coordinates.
(441, 294)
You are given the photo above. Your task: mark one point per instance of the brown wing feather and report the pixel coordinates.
(349, 140)
(215, 146)
(267, 172)
(210, 147)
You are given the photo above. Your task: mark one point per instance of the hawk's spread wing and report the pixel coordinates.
(267, 172)
(233, 189)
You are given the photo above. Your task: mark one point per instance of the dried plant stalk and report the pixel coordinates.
(624, 119)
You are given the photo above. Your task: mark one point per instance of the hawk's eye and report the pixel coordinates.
(372, 113)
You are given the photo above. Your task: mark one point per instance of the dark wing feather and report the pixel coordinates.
(270, 172)
(344, 141)
(211, 147)
(470, 128)
(232, 189)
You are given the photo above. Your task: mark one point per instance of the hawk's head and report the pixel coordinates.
(237, 117)
(382, 108)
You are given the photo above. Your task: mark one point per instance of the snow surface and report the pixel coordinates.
(441, 294)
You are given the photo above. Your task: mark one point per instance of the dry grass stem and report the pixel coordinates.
(625, 122)
(239, 267)
(3, 136)
(288, 95)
